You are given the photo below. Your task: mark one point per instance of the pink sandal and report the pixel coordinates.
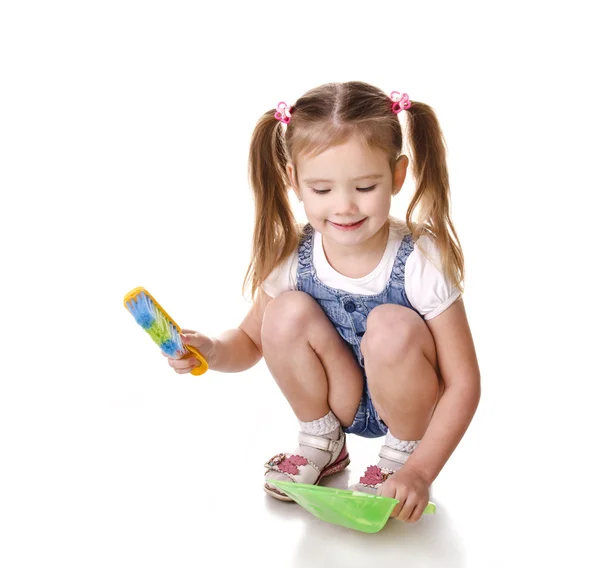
(302, 470)
(376, 476)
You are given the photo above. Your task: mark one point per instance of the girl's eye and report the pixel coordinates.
(363, 189)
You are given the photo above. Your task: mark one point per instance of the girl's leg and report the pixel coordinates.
(318, 374)
(312, 365)
(403, 379)
(401, 368)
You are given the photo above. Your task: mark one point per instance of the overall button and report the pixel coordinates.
(350, 307)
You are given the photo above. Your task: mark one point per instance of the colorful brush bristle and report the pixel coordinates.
(160, 329)
(163, 330)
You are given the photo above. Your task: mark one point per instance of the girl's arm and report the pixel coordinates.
(241, 348)
(461, 391)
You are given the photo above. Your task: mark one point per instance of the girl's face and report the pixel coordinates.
(347, 191)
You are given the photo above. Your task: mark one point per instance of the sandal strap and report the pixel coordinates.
(321, 443)
(393, 455)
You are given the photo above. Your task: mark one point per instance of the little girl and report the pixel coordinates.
(359, 316)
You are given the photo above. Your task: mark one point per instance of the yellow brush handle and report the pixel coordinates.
(203, 367)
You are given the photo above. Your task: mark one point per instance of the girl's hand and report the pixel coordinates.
(410, 488)
(202, 343)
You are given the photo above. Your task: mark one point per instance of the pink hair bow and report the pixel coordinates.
(401, 102)
(283, 113)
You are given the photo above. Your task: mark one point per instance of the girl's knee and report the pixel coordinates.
(391, 331)
(286, 315)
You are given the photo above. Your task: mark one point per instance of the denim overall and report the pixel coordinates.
(348, 313)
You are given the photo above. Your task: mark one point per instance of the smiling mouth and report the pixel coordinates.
(348, 226)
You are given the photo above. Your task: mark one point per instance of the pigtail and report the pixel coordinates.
(275, 232)
(429, 210)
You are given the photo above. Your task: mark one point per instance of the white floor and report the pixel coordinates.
(158, 473)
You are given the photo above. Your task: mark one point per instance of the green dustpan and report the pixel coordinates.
(351, 509)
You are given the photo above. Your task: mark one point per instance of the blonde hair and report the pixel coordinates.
(330, 115)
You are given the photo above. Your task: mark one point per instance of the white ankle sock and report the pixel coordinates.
(408, 447)
(326, 426)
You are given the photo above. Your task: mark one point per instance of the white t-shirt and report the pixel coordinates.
(427, 289)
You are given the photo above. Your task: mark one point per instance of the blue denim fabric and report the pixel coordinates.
(348, 313)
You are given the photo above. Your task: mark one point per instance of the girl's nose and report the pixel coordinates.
(346, 205)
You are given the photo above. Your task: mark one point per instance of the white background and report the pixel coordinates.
(124, 132)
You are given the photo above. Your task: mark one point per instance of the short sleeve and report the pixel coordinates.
(428, 290)
(282, 278)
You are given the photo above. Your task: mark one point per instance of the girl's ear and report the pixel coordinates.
(291, 178)
(400, 174)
